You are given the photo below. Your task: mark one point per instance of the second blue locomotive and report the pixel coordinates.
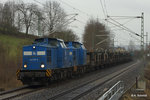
(50, 59)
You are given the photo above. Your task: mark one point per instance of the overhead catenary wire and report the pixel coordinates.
(117, 25)
(103, 9)
(131, 35)
(126, 16)
(122, 18)
(103, 5)
(128, 21)
(66, 23)
(127, 29)
(118, 17)
(120, 27)
(83, 12)
(134, 37)
(124, 22)
(75, 19)
(70, 20)
(81, 22)
(78, 28)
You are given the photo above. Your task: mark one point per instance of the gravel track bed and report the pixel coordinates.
(128, 79)
(58, 87)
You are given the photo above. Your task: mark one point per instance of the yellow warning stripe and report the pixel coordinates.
(75, 68)
(17, 72)
(48, 73)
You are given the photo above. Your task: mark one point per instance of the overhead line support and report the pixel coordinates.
(142, 31)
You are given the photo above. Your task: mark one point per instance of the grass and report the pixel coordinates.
(13, 44)
(11, 59)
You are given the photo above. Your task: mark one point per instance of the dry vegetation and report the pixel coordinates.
(10, 59)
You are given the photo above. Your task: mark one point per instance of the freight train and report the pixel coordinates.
(50, 59)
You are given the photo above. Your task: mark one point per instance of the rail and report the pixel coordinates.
(114, 93)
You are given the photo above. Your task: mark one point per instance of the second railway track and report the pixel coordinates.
(83, 89)
(10, 94)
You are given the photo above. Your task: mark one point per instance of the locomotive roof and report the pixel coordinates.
(73, 42)
(50, 39)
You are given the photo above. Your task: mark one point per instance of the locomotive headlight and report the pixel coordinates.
(25, 66)
(42, 66)
(33, 47)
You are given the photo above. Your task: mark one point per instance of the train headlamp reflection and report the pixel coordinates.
(42, 66)
(25, 66)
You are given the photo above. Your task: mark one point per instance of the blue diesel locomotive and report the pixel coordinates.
(49, 59)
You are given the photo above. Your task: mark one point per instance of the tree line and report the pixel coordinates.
(96, 36)
(30, 18)
(50, 20)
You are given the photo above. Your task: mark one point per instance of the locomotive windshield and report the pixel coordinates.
(39, 40)
(53, 42)
(76, 45)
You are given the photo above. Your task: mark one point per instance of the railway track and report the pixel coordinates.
(69, 94)
(6, 95)
(83, 89)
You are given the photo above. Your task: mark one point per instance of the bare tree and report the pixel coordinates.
(7, 16)
(54, 16)
(91, 39)
(30, 18)
(1, 11)
(41, 24)
(27, 14)
(66, 35)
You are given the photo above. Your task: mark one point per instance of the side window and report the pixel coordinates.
(67, 44)
(49, 56)
(74, 55)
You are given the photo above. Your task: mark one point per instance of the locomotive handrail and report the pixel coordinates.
(114, 93)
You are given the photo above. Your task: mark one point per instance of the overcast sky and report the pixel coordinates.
(93, 8)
